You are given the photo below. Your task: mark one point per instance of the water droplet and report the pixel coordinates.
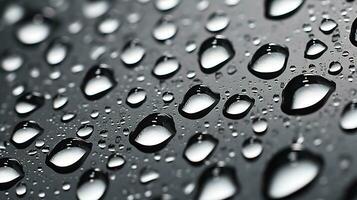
(238, 106)
(217, 183)
(115, 162)
(33, 30)
(348, 118)
(314, 49)
(57, 51)
(28, 103)
(132, 53)
(335, 68)
(68, 155)
(11, 62)
(136, 97)
(217, 21)
(148, 175)
(280, 9)
(92, 185)
(327, 26)
(269, 61)
(164, 29)
(214, 53)
(10, 172)
(260, 125)
(59, 101)
(198, 102)
(108, 25)
(305, 94)
(25, 133)
(168, 97)
(95, 8)
(353, 33)
(290, 171)
(153, 133)
(85, 131)
(21, 189)
(166, 66)
(166, 5)
(199, 148)
(252, 148)
(13, 13)
(98, 81)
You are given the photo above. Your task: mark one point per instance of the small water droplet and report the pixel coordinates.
(136, 97)
(238, 106)
(166, 66)
(335, 68)
(59, 101)
(29, 103)
(25, 133)
(199, 148)
(133, 52)
(148, 175)
(11, 61)
(314, 49)
(260, 125)
(327, 26)
(115, 162)
(85, 131)
(280, 9)
(164, 29)
(252, 148)
(348, 120)
(95, 8)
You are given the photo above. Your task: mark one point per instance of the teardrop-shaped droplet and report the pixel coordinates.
(59, 101)
(136, 97)
(132, 53)
(353, 33)
(115, 162)
(11, 61)
(153, 133)
(306, 93)
(164, 29)
(327, 26)
(199, 148)
(252, 148)
(148, 175)
(198, 102)
(68, 155)
(217, 183)
(95, 8)
(214, 53)
(314, 49)
(269, 61)
(25, 133)
(98, 81)
(34, 30)
(290, 171)
(166, 5)
(238, 106)
(11, 172)
(92, 185)
(335, 68)
(57, 51)
(280, 9)
(85, 131)
(166, 66)
(348, 120)
(217, 21)
(29, 103)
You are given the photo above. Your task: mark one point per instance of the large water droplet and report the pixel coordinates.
(217, 183)
(136, 97)
(198, 102)
(33, 30)
(269, 61)
(199, 148)
(306, 93)
(314, 49)
(57, 51)
(214, 53)
(68, 155)
(153, 133)
(164, 29)
(290, 171)
(280, 9)
(132, 53)
(10, 172)
(98, 81)
(348, 120)
(92, 185)
(165, 67)
(327, 26)
(28, 103)
(25, 133)
(217, 21)
(238, 106)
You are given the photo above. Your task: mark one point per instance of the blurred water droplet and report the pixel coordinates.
(348, 118)
(166, 5)
(280, 9)
(136, 97)
(164, 29)
(92, 185)
(353, 33)
(252, 148)
(238, 106)
(13, 13)
(95, 8)
(132, 53)
(34, 30)
(148, 175)
(11, 172)
(108, 25)
(217, 21)
(25, 133)
(28, 103)
(11, 61)
(57, 52)
(314, 49)
(199, 148)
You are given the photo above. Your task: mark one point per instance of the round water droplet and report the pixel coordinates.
(11, 172)
(214, 53)
(168, 97)
(327, 26)
(25, 133)
(290, 171)
(238, 106)
(217, 21)
(136, 97)
(166, 5)
(348, 120)
(166, 66)
(57, 51)
(153, 133)
(305, 94)
(198, 102)
(29, 103)
(98, 81)
(21, 189)
(314, 49)
(280, 9)
(13, 13)
(260, 125)
(132, 53)
(95, 8)
(33, 30)
(85, 131)
(252, 148)
(269, 61)
(108, 25)
(164, 29)
(11, 62)
(217, 183)
(335, 68)
(68, 155)
(115, 162)
(92, 185)
(199, 148)
(59, 101)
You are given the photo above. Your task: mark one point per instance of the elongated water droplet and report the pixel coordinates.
(34, 30)
(108, 25)
(214, 53)
(353, 33)
(166, 5)
(11, 61)
(217, 21)
(95, 8)
(305, 94)
(57, 51)
(199, 148)
(136, 97)
(166, 66)
(252, 148)
(238, 106)
(85, 131)
(132, 53)
(13, 13)
(153, 133)
(280, 9)
(217, 183)
(269, 61)
(327, 26)
(348, 120)
(25, 133)
(29, 103)
(10, 172)
(98, 81)
(115, 162)
(314, 49)
(92, 185)
(198, 102)
(148, 175)
(290, 171)
(68, 155)
(335, 68)
(59, 101)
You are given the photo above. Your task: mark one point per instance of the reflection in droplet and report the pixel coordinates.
(165, 67)
(132, 53)
(92, 185)
(238, 106)
(85, 131)
(11, 172)
(335, 68)
(280, 9)
(25, 133)
(199, 147)
(314, 49)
